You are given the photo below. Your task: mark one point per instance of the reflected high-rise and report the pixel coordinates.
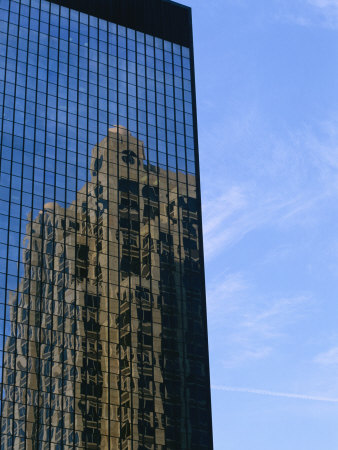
(103, 322)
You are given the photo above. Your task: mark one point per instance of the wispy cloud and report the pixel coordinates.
(229, 218)
(328, 358)
(275, 394)
(223, 292)
(325, 3)
(256, 328)
(327, 13)
(309, 13)
(217, 210)
(288, 181)
(277, 187)
(278, 253)
(241, 356)
(294, 19)
(268, 320)
(275, 316)
(323, 149)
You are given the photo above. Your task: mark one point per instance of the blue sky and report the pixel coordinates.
(267, 90)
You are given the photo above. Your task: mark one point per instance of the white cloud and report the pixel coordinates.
(222, 292)
(279, 192)
(275, 394)
(278, 253)
(324, 148)
(256, 328)
(327, 13)
(216, 211)
(330, 357)
(325, 3)
(281, 312)
(229, 218)
(256, 182)
(263, 323)
(242, 356)
(309, 13)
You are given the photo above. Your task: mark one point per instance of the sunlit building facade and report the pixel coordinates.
(102, 301)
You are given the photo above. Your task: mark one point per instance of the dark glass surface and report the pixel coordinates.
(102, 308)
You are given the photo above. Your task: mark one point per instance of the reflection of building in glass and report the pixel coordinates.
(105, 348)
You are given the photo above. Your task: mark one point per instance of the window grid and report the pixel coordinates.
(57, 124)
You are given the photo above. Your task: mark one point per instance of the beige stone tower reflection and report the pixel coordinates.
(84, 361)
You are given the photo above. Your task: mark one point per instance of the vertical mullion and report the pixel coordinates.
(63, 227)
(8, 234)
(78, 229)
(118, 230)
(147, 146)
(168, 210)
(37, 420)
(107, 233)
(53, 254)
(11, 308)
(88, 226)
(130, 294)
(5, 56)
(19, 257)
(139, 198)
(61, 307)
(180, 232)
(156, 225)
(158, 243)
(29, 263)
(159, 226)
(98, 218)
(63, 348)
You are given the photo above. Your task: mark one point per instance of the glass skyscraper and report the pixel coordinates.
(102, 299)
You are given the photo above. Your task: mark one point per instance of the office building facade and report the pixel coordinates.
(102, 301)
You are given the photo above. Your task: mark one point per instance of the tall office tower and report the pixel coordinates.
(102, 302)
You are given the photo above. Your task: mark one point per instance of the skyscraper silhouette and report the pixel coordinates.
(105, 343)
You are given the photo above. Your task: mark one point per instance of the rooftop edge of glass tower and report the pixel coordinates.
(161, 18)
